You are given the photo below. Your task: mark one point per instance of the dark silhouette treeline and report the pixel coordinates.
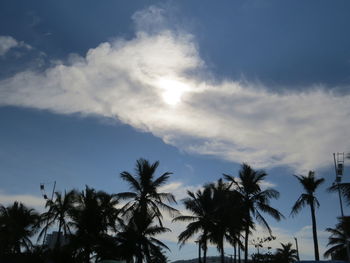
(94, 225)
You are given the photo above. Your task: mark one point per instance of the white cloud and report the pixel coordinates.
(8, 42)
(28, 200)
(179, 190)
(229, 119)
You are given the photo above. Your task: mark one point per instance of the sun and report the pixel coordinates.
(172, 90)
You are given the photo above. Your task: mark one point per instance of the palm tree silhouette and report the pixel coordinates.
(338, 239)
(145, 197)
(59, 212)
(201, 205)
(94, 214)
(255, 200)
(310, 184)
(137, 240)
(344, 189)
(215, 213)
(286, 254)
(228, 216)
(17, 225)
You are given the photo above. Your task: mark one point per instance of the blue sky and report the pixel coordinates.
(88, 87)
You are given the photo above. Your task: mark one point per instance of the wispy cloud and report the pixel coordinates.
(179, 190)
(27, 199)
(8, 42)
(157, 82)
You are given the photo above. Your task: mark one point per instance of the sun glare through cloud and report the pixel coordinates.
(191, 90)
(229, 119)
(172, 90)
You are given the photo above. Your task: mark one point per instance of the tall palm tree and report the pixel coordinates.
(59, 212)
(255, 200)
(215, 213)
(338, 239)
(17, 225)
(94, 214)
(310, 184)
(201, 205)
(228, 216)
(145, 197)
(286, 254)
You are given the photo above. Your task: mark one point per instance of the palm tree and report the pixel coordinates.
(338, 239)
(59, 212)
(215, 213)
(344, 189)
(137, 240)
(145, 197)
(286, 254)
(310, 184)
(201, 205)
(255, 200)
(94, 214)
(228, 216)
(17, 225)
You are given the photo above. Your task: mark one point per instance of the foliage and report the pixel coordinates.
(17, 225)
(286, 254)
(254, 199)
(338, 239)
(145, 198)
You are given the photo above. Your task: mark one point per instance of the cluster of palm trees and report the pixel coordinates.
(95, 225)
(227, 210)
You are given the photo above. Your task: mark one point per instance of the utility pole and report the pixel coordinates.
(296, 245)
(42, 188)
(339, 170)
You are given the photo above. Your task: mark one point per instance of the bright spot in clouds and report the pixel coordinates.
(172, 90)
(136, 81)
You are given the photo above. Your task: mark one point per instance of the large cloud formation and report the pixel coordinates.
(157, 82)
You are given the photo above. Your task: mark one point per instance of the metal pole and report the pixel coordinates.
(296, 244)
(47, 221)
(341, 206)
(336, 174)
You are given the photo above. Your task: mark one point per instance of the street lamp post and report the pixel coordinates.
(296, 245)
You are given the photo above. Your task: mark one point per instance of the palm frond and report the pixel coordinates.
(271, 211)
(134, 184)
(299, 204)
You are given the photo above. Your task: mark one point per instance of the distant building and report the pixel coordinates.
(52, 238)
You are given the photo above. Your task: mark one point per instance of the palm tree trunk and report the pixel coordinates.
(246, 242)
(199, 252)
(235, 252)
(57, 245)
(205, 252)
(314, 231)
(239, 253)
(222, 252)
